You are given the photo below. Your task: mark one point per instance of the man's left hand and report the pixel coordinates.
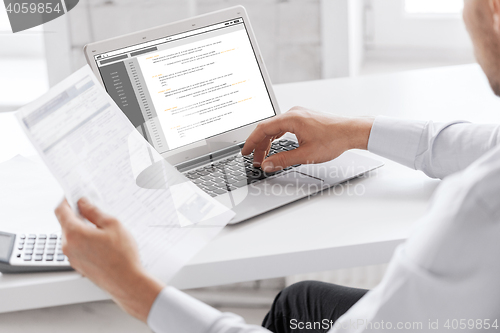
(107, 254)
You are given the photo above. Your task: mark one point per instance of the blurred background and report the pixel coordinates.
(300, 40)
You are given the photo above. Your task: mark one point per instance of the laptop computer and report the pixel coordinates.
(195, 89)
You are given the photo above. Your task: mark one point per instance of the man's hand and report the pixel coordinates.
(321, 138)
(107, 254)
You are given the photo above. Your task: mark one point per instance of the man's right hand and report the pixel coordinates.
(321, 137)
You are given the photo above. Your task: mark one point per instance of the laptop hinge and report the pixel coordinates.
(213, 156)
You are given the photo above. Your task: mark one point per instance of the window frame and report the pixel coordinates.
(430, 15)
(24, 44)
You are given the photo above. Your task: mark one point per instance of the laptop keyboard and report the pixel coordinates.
(234, 172)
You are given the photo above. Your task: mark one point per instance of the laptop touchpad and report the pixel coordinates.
(292, 183)
(269, 194)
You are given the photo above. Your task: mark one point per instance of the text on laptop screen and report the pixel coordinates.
(188, 87)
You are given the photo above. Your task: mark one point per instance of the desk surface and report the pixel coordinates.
(360, 224)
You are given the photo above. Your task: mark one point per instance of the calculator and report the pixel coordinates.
(26, 253)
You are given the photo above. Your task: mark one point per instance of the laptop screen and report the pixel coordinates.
(188, 87)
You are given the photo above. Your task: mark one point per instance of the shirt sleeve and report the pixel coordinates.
(176, 312)
(437, 149)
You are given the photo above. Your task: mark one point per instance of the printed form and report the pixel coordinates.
(94, 151)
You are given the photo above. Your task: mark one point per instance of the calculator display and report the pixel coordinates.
(5, 247)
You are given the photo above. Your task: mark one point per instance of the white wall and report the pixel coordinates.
(393, 27)
(288, 32)
(396, 33)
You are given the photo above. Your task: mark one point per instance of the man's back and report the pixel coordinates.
(448, 269)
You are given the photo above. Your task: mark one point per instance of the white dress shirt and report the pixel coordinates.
(446, 273)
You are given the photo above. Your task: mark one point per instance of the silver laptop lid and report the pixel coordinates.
(192, 87)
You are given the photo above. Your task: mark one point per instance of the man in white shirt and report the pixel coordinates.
(445, 277)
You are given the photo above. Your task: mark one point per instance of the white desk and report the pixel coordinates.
(322, 233)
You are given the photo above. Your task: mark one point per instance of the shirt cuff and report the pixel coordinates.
(174, 311)
(396, 139)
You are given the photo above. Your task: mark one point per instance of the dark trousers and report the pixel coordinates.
(310, 306)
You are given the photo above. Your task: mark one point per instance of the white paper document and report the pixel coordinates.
(94, 151)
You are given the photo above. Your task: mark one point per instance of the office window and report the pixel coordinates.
(22, 65)
(24, 44)
(434, 6)
(4, 22)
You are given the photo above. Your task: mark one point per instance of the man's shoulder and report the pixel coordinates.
(483, 178)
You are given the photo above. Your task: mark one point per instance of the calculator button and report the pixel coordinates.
(38, 257)
(53, 236)
(19, 255)
(39, 252)
(30, 241)
(28, 252)
(42, 236)
(52, 241)
(60, 257)
(31, 236)
(22, 236)
(20, 247)
(50, 252)
(49, 257)
(30, 246)
(27, 257)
